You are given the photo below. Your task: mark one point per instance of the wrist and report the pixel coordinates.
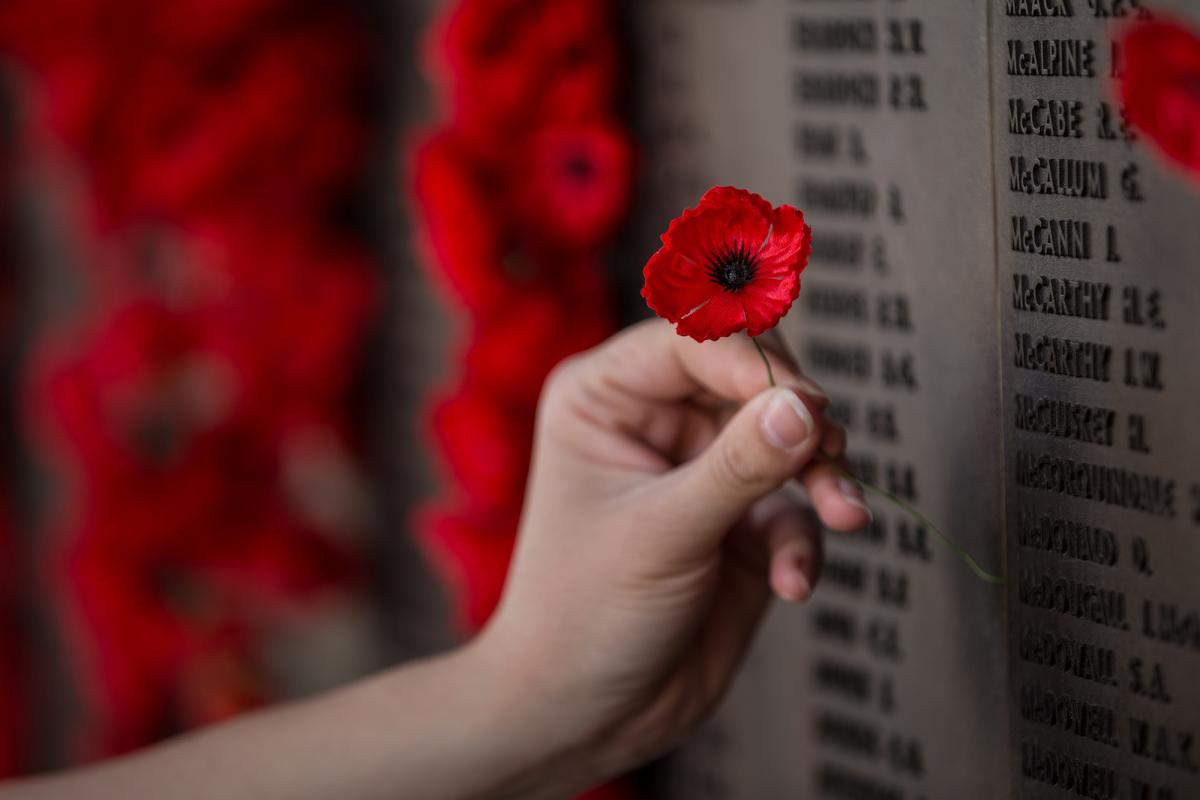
(518, 725)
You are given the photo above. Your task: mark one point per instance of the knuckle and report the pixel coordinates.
(563, 377)
(738, 468)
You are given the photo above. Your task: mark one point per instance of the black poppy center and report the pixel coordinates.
(733, 267)
(579, 168)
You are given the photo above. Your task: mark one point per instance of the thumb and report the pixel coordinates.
(763, 446)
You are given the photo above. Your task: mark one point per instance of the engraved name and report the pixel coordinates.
(848, 734)
(835, 35)
(1055, 238)
(1067, 357)
(1062, 419)
(1069, 714)
(846, 360)
(1039, 8)
(1068, 539)
(836, 303)
(840, 783)
(1064, 297)
(845, 680)
(832, 623)
(838, 249)
(848, 574)
(1066, 177)
(853, 198)
(1072, 598)
(1052, 58)
(1072, 775)
(837, 89)
(1083, 660)
(1114, 486)
(1042, 117)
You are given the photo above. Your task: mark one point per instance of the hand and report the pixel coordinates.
(653, 533)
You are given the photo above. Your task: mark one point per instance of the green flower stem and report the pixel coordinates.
(766, 363)
(954, 546)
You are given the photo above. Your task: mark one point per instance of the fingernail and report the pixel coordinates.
(813, 391)
(799, 588)
(795, 589)
(854, 496)
(787, 422)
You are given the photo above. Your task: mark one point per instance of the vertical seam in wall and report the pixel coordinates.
(1005, 613)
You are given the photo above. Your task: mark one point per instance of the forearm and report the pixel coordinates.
(436, 729)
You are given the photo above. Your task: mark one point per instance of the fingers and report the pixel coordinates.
(780, 542)
(781, 545)
(794, 554)
(838, 501)
(764, 445)
(650, 360)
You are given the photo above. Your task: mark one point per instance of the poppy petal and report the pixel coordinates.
(789, 245)
(767, 299)
(723, 196)
(761, 251)
(675, 287)
(707, 230)
(722, 315)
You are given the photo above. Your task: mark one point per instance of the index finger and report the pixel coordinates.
(653, 362)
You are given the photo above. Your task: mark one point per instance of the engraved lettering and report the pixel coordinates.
(1066, 177)
(1064, 297)
(1081, 660)
(1054, 238)
(835, 35)
(1042, 117)
(1052, 58)
(837, 89)
(1065, 420)
(1072, 598)
(1114, 486)
(1069, 714)
(1066, 357)
(1068, 539)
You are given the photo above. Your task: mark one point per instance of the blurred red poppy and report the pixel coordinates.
(460, 235)
(510, 66)
(485, 445)
(472, 550)
(1161, 86)
(573, 184)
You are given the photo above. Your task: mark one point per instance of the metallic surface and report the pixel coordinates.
(905, 677)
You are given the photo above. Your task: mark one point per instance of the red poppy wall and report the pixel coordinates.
(225, 303)
(518, 189)
(202, 378)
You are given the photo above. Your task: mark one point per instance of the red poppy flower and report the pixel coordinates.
(731, 263)
(1161, 87)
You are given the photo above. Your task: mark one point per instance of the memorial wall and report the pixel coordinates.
(1000, 303)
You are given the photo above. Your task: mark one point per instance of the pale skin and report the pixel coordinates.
(654, 535)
